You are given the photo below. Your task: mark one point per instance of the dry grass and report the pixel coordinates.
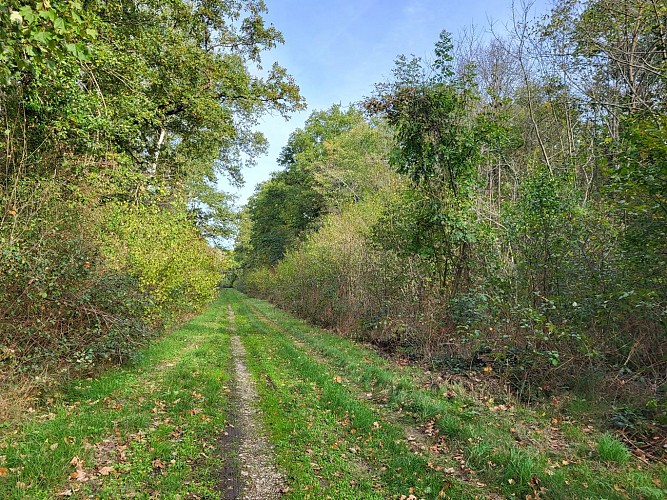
(17, 396)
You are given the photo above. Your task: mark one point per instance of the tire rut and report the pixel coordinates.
(251, 475)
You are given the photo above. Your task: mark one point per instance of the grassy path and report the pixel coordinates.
(255, 455)
(426, 439)
(247, 400)
(138, 432)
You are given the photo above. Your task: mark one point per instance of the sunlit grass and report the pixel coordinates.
(509, 447)
(132, 431)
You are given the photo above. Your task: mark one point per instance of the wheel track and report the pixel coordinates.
(252, 475)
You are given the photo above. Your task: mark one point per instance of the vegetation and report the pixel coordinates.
(490, 224)
(500, 208)
(117, 118)
(345, 423)
(131, 431)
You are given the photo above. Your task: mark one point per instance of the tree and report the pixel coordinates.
(437, 145)
(290, 204)
(118, 118)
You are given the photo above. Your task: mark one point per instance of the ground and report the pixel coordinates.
(245, 401)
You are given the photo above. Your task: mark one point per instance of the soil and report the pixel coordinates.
(248, 471)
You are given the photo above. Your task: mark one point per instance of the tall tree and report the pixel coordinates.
(118, 117)
(437, 145)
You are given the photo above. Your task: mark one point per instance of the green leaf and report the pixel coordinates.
(27, 13)
(42, 37)
(59, 24)
(48, 14)
(82, 52)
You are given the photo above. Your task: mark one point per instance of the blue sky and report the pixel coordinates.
(338, 49)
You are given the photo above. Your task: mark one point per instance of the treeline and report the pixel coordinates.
(501, 206)
(116, 119)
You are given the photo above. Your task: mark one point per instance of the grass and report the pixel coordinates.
(512, 449)
(345, 423)
(148, 428)
(330, 443)
(612, 450)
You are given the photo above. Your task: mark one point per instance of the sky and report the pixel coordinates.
(338, 49)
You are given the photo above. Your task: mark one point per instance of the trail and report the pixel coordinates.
(190, 420)
(255, 463)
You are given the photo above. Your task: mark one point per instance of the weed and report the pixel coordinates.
(611, 449)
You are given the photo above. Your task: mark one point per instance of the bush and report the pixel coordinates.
(77, 292)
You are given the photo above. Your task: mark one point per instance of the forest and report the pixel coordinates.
(498, 206)
(454, 287)
(117, 119)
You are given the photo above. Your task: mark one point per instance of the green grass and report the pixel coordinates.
(331, 444)
(148, 428)
(611, 449)
(512, 449)
(345, 423)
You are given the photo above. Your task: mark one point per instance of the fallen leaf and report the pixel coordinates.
(338, 379)
(79, 475)
(3, 471)
(65, 493)
(53, 446)
(105, 471)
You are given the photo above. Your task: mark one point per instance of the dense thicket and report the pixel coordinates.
(501, 206)
(116, 119)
